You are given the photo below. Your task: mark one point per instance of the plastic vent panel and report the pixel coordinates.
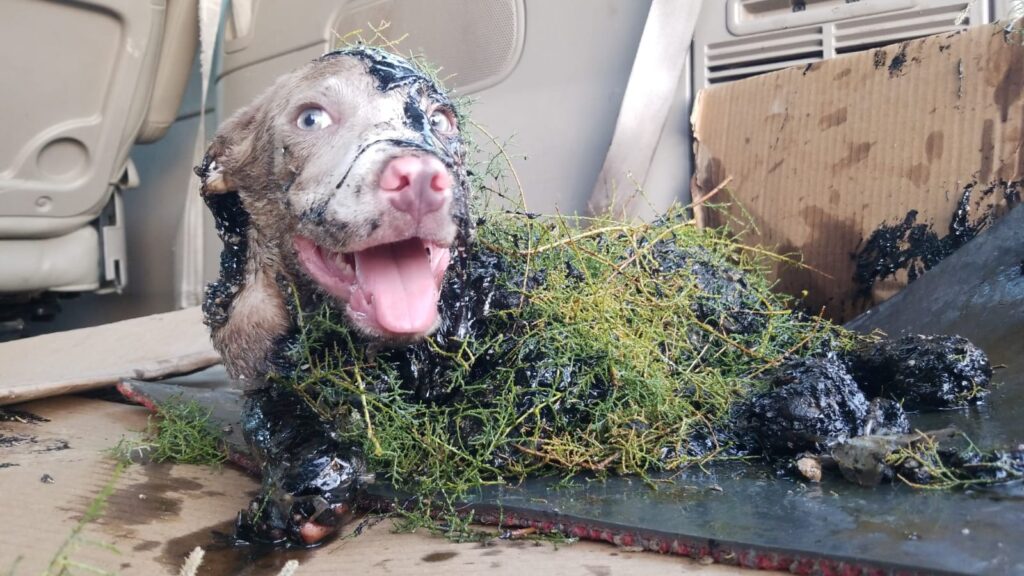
(736, 59)
(754, 16)
(854, 35)
(757, 36)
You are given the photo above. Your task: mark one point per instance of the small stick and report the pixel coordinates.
(518, 533)
(721, 186)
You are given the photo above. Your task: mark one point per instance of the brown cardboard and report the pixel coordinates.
(76, 360)
(821, 155)
(157, 513)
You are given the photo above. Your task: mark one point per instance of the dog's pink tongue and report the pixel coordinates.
(401, 283)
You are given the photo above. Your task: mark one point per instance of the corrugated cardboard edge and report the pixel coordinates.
(87, 358)
(822, 155)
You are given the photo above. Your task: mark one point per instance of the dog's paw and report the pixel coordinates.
(304, 503)
(305, 523)
(313, 532)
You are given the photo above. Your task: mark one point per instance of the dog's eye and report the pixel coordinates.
(442, 121)
(313, 119)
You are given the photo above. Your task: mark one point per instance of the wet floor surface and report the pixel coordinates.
(156, 514)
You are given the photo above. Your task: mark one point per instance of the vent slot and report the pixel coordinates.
(865, 33)
(757, 7)
(740, 56)
(735, 59)
(755, 16)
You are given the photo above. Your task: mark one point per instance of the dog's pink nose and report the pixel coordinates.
(416, 185)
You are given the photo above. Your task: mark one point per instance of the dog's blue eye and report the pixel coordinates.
(442, 121)
(313, 119)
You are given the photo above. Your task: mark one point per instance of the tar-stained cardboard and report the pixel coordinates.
(820, 156)
(55, 463)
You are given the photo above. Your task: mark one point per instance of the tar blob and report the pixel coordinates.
(912, 246)
(922, 372)
(812, 403)
(232, 221)
(388, 70)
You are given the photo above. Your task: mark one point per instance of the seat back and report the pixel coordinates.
(177, 56)
(77, 83)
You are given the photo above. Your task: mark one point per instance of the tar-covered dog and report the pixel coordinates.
(342, 183)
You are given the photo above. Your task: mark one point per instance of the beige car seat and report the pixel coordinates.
(83, 82)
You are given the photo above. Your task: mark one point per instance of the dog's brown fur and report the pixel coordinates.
(318, 184)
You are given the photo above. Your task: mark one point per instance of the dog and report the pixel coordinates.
(350, 176)
(345, 182)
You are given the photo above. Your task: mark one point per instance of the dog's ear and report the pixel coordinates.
(231, 148)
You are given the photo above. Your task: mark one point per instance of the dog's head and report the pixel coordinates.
(351, 172)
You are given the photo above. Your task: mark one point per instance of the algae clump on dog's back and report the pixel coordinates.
(619, 348)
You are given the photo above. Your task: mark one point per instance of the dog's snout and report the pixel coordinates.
(416, 185)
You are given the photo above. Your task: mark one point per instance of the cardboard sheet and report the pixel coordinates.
(820, 156)
(157, 513)
(77, 360)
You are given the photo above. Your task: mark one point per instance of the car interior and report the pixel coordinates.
(103, 102)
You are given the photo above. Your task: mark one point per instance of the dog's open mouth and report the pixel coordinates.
(391, 289)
